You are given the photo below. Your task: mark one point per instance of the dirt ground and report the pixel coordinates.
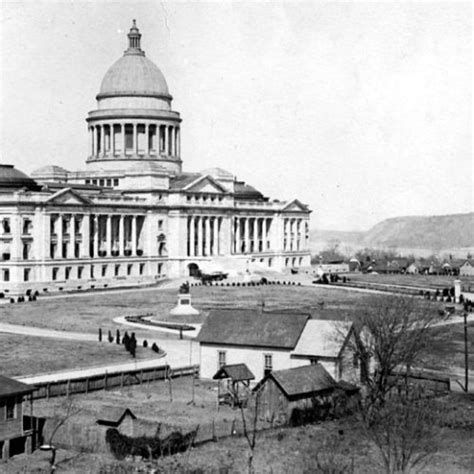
(281, 451)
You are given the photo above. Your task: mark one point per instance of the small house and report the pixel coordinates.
(467, 268)
(16, 434)
(263, 341)
(308, 387)
(331, 344)
(122, 419)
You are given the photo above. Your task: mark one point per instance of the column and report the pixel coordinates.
(135, 139)
(96, 235)
(207, 223)
(85, 231)
(237, 236)
(102, 139)
(134, 236)
(165, 137)
(200, 239)
(123, 138)
(121, 235)
(215, 246)
(147, 139)
(192, 243)
(246, 234)
(60, 236)
(72, 239)
(176, 140)
(264, 234)
(108, 236)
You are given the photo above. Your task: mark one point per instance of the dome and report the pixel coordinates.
(12, 179)
(134, 74)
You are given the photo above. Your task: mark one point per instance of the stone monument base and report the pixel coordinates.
(184, 308)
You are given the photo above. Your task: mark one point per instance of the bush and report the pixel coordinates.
(155, 348)
(110, 337)
(145, 343)
(100, 334)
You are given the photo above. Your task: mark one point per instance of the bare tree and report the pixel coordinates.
(404, 430)
(250, 432)
(333, 457)
(391, 332)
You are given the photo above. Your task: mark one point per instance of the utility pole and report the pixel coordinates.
(466, 358)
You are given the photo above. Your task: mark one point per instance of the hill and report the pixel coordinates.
(420, 235)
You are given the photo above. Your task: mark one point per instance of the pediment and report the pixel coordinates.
(295, 206)
(205, 184)
(68, 196)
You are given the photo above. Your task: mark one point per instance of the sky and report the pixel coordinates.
(363, 111)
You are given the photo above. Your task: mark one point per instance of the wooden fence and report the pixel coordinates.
(107, 380)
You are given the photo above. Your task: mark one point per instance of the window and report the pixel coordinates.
(67, 273)
(160, 224)
(101, 182)
(10, 409)
(267, 364)
(27, 225)
(117, 270)
(141, 269)
(221, 359)
(109, 183)
(104, 270)
(129, 268)
(55, 273)
(26, 251)
(6, 226)
(6, 274)
(92, 271)
(116, 182)
(26, 274)
(80, 271)
(88, 181)
(160, 268)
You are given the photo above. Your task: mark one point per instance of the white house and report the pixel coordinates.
(329, 343)
(263, 341)
(267, 341)
(467, 268)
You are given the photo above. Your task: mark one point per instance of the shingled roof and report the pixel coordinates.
(247, 327)
(10, 387)
(182, 180)
(236, 372)
(305, 380)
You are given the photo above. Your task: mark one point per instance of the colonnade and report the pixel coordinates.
(293, 238)
(204, 236)
(95, 235)
(126, 138)
(251, 234)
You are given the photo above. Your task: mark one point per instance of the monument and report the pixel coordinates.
(184, 307)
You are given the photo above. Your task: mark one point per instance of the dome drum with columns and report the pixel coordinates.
(133, 216)
(134, 120)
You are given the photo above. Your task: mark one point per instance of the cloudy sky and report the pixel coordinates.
(361, 110)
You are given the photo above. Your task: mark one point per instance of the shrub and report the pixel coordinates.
(100, 334)
(145, 343)
(110, 337)
(117, 337)
(155, 348)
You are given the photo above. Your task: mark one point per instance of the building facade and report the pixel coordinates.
(133, 215)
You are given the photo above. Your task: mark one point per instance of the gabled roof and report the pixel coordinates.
(245, 191)
(68, 196)
(182, 180)
(322, 338)
(236, 372)
(10, 387)
(305, 380)
(113, 416)
(205, 183)
(295, 205)
(251, 327)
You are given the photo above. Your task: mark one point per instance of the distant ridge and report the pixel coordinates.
(428, 233)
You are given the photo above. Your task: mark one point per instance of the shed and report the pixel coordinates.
(303, 387)
(237, 376)
(116, 417)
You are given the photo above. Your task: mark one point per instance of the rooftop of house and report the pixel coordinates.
(113, 416)
(236, 372)
(322, 338)
(305, 380)
(10, 387)
(252, 327)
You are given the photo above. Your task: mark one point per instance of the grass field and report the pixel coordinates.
(87, 313)
(423, 281)
(29, 355)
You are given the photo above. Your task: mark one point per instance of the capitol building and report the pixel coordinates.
(133, 216)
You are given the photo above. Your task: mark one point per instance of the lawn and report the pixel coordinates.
(422, 281)
(29, 355)
(446, 349)
(86, 313)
